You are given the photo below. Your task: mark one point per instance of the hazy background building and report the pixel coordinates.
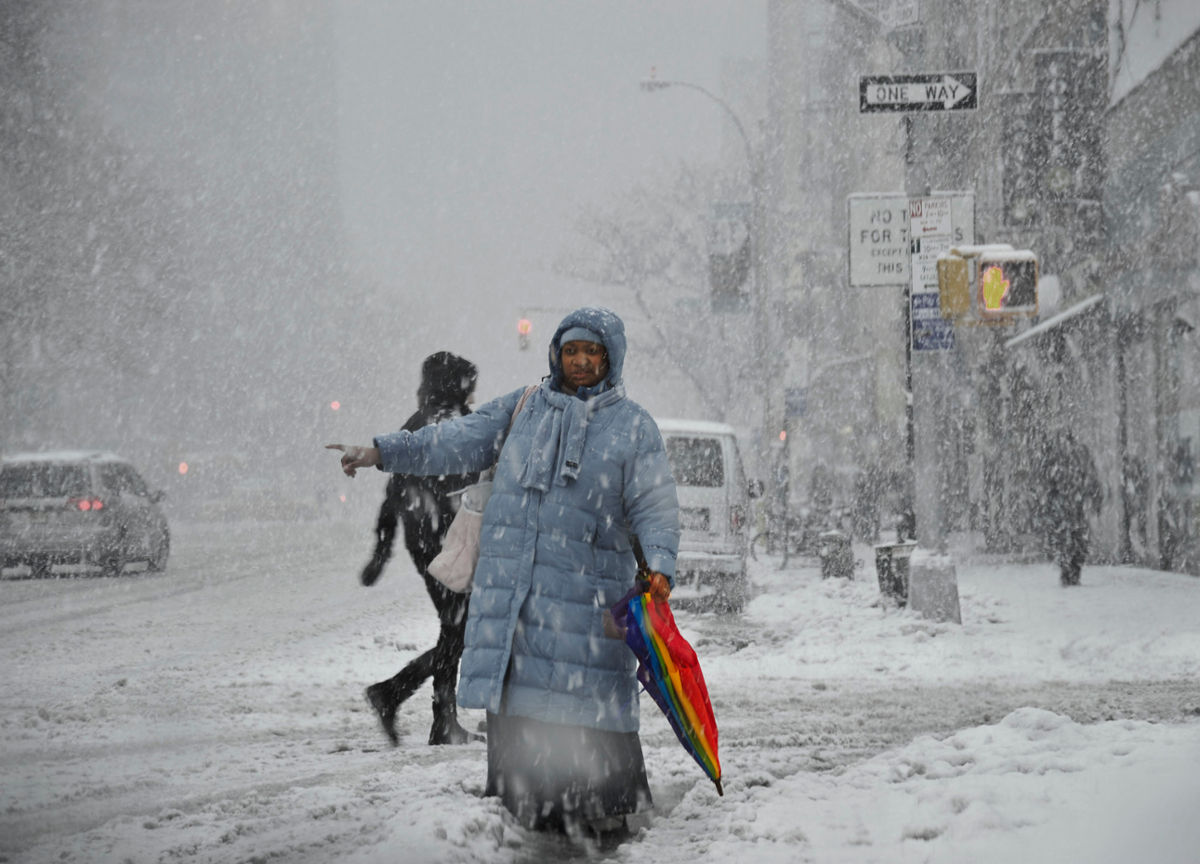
(843, 390)
(224, 218)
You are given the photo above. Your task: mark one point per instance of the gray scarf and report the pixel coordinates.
(557, 447)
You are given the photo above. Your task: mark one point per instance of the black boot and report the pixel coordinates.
(385, 709)
(386, 697)
(446, 729)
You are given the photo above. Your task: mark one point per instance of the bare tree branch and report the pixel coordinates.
(652, 240)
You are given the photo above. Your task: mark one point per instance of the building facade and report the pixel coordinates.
(1152, 214)
(1084, 149)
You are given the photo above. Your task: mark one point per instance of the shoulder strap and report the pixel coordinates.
(491, 472)
(520, 404)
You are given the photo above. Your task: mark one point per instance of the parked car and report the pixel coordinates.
(713, 513)
(78, 508)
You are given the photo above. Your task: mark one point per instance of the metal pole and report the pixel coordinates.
(765, 364)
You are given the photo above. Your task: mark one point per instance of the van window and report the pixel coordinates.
(44, 480)
(696, 461)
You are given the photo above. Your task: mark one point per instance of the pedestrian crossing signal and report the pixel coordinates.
(524, 328)
(1006, 286)
(993, 284)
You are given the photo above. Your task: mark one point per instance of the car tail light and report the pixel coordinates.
(736, 517)
(85, 504)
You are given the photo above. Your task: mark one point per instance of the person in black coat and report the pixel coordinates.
(425, 507)
(1071, 486)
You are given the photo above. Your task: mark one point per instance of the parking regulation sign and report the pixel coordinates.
(879, 247)
(930, 331)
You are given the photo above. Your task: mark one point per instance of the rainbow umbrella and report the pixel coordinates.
(668, 669)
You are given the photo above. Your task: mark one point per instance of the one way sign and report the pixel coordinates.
(929, 91)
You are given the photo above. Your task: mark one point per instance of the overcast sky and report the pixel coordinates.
(470, 132)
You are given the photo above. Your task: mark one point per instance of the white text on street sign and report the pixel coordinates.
(931, 91)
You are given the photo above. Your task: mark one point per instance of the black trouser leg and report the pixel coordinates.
(387, 696)
(406, 682)
(452, 612)
(439, 662)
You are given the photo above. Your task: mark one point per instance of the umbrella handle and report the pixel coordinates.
(720, 791)
(611, 629)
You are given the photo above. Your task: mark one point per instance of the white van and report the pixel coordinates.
(714, 514)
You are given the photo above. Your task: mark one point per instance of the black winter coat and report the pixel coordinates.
(424, 504)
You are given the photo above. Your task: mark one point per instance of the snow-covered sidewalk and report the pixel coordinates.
(1035, 787)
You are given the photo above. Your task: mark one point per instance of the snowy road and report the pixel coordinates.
(215, 712)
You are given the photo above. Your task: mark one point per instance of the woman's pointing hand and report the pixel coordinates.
(356, 457)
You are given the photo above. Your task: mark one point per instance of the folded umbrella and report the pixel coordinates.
(668, 669)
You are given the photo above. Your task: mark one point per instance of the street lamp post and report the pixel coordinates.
(770, 441)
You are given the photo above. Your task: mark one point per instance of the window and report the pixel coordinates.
(122, 479)
(44, 480)
(696, 461)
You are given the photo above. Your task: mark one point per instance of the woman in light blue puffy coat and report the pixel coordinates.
(583, 468)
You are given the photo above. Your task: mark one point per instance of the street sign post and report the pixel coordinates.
(928, 91)
(729, 256)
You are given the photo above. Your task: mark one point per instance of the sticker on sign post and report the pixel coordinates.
(930, 331)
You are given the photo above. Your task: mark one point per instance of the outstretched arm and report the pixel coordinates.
(468, 443)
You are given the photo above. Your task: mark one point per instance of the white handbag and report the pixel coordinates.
(454, 566)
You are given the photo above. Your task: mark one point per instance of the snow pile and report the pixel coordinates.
(449, 821)
(1034, 787)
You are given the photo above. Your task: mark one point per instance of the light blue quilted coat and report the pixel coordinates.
(575, 478)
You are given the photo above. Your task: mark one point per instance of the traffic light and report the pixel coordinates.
(524, 328)
(954, 285)
(987, 284)
(1007, 285)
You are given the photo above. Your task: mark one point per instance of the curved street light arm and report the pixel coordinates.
(650, 85)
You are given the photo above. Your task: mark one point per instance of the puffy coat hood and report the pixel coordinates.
(446, 381)
(606, 324)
